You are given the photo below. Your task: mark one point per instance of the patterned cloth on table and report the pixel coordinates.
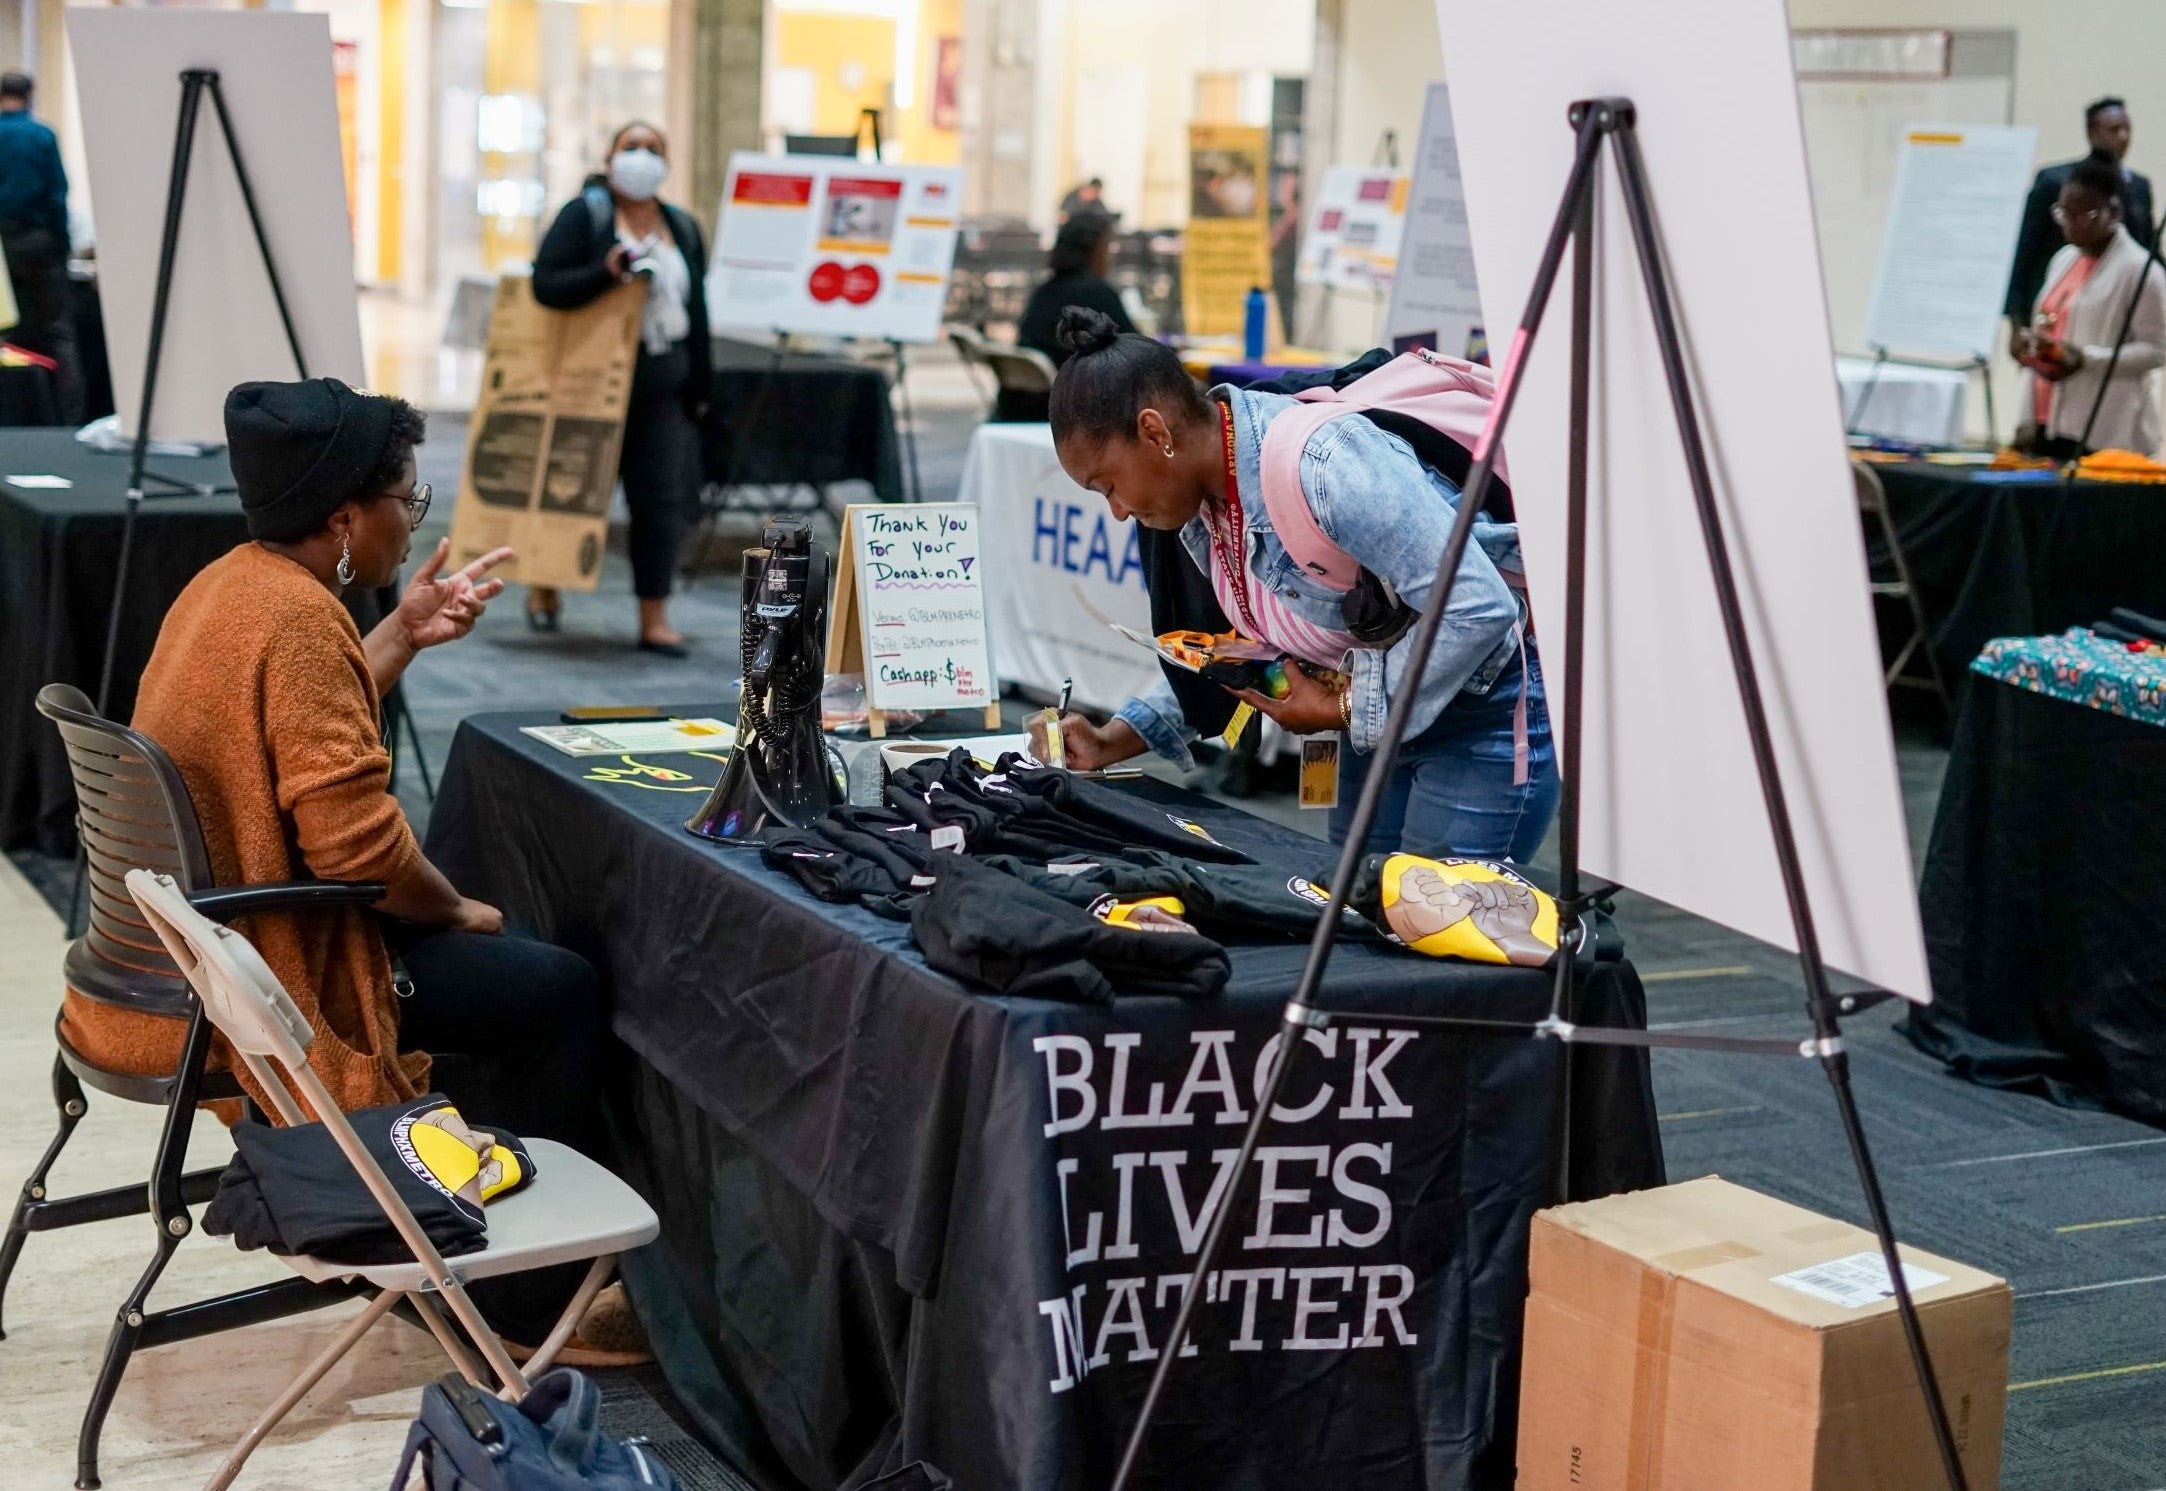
(2081, 667)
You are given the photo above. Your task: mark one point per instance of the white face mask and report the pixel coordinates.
(637, 174)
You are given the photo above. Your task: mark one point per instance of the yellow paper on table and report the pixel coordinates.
(1226, 252)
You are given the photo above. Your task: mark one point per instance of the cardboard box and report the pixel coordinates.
(541, 450)
(1703, 1337)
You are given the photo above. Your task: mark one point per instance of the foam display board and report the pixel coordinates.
(827, 246)
(1672, 804)
(1950, 239)
(222, 324)
(1436, 299)
(1355, 229)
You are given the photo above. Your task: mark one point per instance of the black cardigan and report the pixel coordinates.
(571, 270)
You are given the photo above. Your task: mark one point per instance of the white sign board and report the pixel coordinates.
(222, 325)
(829, 246)
(1435, 297)
(1354, 233)
(1950, 239)
(1058, 567)
(920, 603)
(1672, 805)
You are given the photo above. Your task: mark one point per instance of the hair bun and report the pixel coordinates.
(1084, 331)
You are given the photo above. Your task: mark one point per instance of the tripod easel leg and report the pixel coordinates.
(1593, 121)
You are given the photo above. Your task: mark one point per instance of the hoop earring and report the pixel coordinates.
(345, 561)
(1169, 450)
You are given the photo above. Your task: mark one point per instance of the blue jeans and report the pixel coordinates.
(1451, 788)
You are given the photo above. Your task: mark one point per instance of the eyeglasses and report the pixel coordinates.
(2068, 219)
(417, 506)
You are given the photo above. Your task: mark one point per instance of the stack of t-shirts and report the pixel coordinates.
(293, 1190)
(1037, 812)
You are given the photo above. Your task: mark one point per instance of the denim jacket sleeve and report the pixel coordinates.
(1155, 714)
(1376, 500)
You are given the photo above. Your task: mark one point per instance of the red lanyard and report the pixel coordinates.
(1226, 538)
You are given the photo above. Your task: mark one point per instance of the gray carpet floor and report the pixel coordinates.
(2070, 1206)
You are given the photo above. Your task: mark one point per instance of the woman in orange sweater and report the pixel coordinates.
(267, 697)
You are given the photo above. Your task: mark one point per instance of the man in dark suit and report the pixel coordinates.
(2106, 123)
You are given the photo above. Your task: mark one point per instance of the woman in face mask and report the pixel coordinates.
(618, 228)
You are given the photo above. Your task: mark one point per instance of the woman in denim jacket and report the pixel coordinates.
(1132, 426)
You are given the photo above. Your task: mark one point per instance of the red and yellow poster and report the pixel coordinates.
(1227, 250)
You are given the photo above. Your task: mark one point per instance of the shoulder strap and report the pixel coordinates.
(601, 212)
(1291, 516)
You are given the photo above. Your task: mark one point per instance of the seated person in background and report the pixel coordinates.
(267, 698)
(2069, 343)
(1082, 257)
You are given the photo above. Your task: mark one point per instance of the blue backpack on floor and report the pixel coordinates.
(551, 1440)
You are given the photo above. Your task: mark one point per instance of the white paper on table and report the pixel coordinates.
(638, 737)
(41, 483)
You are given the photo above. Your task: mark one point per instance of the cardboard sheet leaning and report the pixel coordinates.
(541, 453)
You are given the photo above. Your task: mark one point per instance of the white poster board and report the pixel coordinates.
(1354, 230)
(1436, 299)
(222, 324)
(829, 246)
(1058, 567)
(919, 605)
(1950, 239)
(1672, 805)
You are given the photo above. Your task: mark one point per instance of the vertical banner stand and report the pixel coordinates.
(195, 83)
(1595, 121)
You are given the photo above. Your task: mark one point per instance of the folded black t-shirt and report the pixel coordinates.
(292, 1190)
(990, 928)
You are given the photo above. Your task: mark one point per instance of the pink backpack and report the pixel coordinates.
(1449, 395)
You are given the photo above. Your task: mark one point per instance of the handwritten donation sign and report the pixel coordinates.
(910, 608)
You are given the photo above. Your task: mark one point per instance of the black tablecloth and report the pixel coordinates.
(2044, 900)
(2021, 559)
(875, 1252)
(28, 397)
(801, 418)
(58, 554)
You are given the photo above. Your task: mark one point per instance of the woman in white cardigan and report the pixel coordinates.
(2069, 343)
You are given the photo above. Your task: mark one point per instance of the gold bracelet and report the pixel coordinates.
(1346, 709)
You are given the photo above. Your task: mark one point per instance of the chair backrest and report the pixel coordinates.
(134, 812)
(1019, 369)
(259, 1019)
(1872, 496)
(968, 341)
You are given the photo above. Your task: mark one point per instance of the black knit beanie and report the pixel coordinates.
(301, 450)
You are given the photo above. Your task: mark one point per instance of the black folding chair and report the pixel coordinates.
(133, 812)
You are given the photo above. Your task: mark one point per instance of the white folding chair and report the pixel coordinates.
(573, 1212)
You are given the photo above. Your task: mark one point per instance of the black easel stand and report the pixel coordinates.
(755, 408)
(2120, 340)
(195, 83)
(910, 420)
(1595, 121)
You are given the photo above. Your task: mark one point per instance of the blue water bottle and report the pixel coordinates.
(1252, 325)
